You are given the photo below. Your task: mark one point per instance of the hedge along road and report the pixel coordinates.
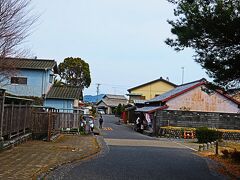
(130, 155)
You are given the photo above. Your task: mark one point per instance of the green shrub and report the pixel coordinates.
(235, 155)
(225, 153)
(205, 135)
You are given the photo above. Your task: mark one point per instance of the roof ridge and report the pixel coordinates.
(159, 79)
(200, 80)
(177, 91)
(28, 59)
(69, 86)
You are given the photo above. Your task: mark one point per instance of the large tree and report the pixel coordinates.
(212, 29)
(16, 21)
(75, 72)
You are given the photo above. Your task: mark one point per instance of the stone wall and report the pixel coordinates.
(196, 119)
(173, 132)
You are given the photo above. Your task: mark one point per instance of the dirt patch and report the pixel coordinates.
(226, 167)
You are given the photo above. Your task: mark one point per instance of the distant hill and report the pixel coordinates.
(92, 99)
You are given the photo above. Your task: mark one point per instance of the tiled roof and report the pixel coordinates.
(177, 91)
(111, 96)
(160, 79)
(65, 92)
(113, 102)
(134, 94)
(139, 101)
(23, 63)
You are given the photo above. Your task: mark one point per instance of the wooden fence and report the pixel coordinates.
(16, 120)
(66, 120)
(21, 119)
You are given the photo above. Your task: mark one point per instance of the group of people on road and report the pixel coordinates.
(87, 123)
(139, 125)
(142, 122)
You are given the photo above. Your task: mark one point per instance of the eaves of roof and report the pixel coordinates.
(64, 92)
(110, 96)
(151, 109)
(100, 102)
(24, 63)
(133, 94)
(184, 91)
(145, 84)
(228, 97)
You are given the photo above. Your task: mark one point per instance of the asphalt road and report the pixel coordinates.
(130, 155)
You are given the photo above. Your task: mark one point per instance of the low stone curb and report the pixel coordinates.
(15, 141)
(207, 146)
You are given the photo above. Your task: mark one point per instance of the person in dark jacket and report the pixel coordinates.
(100, 122)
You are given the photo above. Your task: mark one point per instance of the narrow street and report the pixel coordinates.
(130, 155)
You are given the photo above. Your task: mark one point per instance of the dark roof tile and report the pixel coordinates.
(113, 96)
(23, 63)
(65, 92)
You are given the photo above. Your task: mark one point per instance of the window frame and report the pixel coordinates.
(18, 80)
(51, 78)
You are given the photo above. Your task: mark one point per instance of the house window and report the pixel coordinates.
(51, 78)
(18, 80)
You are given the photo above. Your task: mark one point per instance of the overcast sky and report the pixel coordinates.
(122, 40)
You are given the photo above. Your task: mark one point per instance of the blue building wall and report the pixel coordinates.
(60, 104)
(38, 83)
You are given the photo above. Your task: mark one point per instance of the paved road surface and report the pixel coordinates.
(130, 155)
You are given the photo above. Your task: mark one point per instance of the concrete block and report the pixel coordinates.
(204, 146)
(212, 145)
(208, 145)
(1, 143)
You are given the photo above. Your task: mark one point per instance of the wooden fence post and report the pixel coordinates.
(11, 120)
(49, 125)
(25, 118)
(19, 119)
(217, 147)
(2, 94)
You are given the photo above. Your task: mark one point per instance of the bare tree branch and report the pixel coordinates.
(16, 21)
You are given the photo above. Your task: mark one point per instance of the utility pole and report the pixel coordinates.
(182, 74)
(98, 85)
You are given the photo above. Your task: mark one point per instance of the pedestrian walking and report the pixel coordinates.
(91, 124)
(100, 122)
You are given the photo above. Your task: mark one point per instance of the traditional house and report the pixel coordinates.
(193, 104)
(150, 89)
(29, 77)
(64, 98)
(193, 96)
(110, 102)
